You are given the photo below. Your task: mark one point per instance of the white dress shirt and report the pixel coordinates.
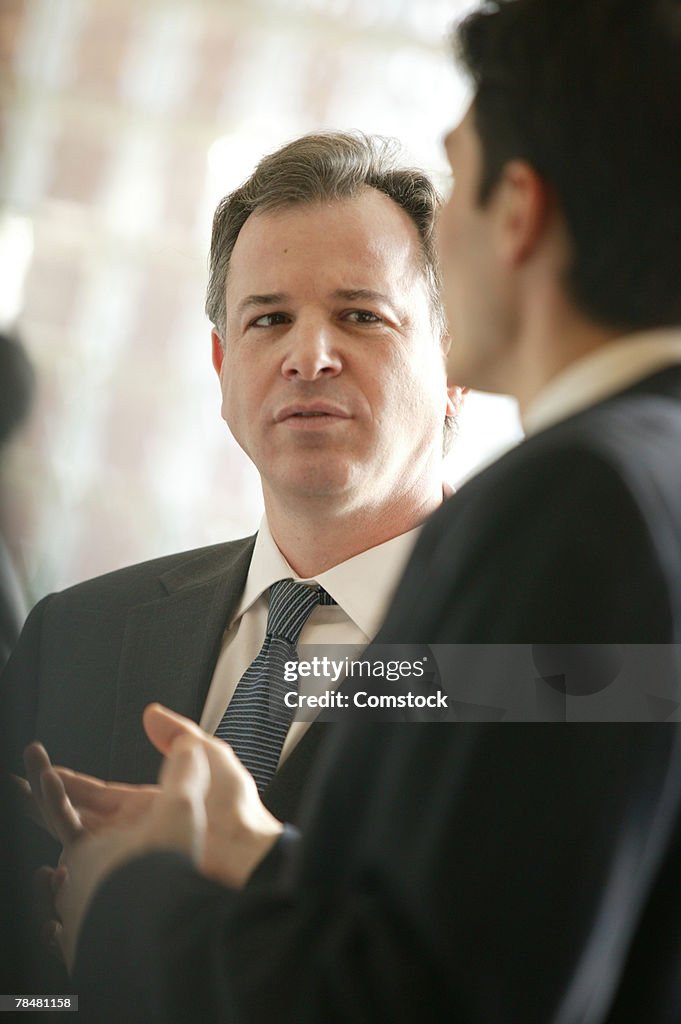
(611, 368)
(362, 588)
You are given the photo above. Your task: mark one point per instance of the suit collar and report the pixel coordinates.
(170, 648)
(610, 369)
(169, 653)
(209, 564)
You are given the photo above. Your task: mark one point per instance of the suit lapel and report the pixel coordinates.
(170, 649)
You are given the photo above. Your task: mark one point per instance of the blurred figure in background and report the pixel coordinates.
(17, 381)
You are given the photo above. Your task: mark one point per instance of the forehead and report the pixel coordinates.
(340, 242)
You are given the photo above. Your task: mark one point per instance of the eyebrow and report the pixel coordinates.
(270, 299)
(348, 294)
(358, 294)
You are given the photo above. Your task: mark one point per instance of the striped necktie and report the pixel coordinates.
(257, 719)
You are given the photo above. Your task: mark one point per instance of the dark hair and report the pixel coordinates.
(589, 93)
(17, 380)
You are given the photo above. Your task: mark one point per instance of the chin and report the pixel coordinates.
(318, 479)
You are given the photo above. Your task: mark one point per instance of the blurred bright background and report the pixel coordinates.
(122, 123)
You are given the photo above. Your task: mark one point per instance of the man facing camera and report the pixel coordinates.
(329, 342)
(474, 872)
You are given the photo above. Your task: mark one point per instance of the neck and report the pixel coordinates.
(555, 336)
(313, 535)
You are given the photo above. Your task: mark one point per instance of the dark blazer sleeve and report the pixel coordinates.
(457, 872)
(427, 901)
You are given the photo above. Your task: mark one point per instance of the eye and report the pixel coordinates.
(269, 320)
(363, 316)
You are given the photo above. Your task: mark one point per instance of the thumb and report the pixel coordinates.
(185, 773)
(179, 813)
(162, 726)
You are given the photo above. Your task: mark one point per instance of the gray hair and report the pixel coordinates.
(318, 168)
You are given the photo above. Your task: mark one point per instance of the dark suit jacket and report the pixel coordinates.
(474, 873)
(91, 658)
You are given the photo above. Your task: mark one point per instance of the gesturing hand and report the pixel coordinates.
(176, 819)
(96, 803)
(239, 828)
(239, 831)
(102, 823)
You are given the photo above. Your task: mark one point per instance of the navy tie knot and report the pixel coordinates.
(291, 605)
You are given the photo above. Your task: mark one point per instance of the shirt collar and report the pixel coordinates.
(362, 586)
(602, 373)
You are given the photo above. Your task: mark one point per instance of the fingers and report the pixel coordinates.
(89, 791)
(229, 777)
(58, 809)
(86, 789)
(229, 828)
(90, 794)
(162, 726)
(96, 803)
(36, 761)
(26, 801)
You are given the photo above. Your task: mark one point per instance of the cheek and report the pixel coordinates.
(417, 390)
(235, 384)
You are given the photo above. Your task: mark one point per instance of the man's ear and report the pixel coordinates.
(455, 393)
(455, 397)
(218, 350)
(523, 203)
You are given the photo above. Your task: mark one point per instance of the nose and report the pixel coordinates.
(311, 352)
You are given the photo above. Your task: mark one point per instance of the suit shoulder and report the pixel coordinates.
(147, 580)
(630, 441)
(602, 481)
(621, 429)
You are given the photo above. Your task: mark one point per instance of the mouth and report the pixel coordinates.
(318, 412)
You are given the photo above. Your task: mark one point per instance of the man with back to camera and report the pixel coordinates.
(476, 872)
(329, 342)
